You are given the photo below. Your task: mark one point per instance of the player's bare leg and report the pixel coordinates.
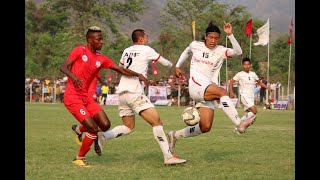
(204, 126)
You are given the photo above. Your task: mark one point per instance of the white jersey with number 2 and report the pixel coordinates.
(136, 58)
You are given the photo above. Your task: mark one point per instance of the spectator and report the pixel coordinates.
(262, 90)
(104, 91)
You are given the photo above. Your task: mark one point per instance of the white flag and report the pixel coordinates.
(263, 34)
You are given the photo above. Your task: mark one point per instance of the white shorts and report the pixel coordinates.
(196, 91)
(132, 103)
(248, 102)
(206, 104)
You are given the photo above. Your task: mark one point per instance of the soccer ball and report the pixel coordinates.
(191, 116)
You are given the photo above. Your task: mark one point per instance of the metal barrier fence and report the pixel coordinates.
(54, 94)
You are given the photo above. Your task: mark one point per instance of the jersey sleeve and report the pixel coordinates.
(236, 48)
(184, 55)
(76, 52)
(236, 77)
(121, 62)
(152, 54)
(107, 63)
(255, 76)
(165, 62)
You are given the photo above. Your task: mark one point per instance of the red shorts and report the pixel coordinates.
(81, 107)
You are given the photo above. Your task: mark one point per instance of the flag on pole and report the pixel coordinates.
(193, 29)
(291, 29)
(110, 77)
(116, 76)
(154, 69)
(263, 34)
(249, 28)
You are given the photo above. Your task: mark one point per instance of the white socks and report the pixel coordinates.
(78, 129)
(188, 132)
(230, 109)
(248, 116)
(162, 140)
(116, 132)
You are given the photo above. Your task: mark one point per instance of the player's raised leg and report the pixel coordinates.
(206, 118)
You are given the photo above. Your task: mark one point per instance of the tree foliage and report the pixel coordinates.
(54, 27)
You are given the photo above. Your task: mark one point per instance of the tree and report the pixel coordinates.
(54, 27)
(176, 24)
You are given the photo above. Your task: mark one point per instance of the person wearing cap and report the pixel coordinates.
(82, 66)
(206, 61)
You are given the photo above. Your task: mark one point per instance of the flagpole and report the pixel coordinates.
(289, 41)
(226, 66)
(288, 88)
(267, 94)
(250, 46)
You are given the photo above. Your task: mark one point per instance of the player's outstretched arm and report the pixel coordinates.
(236, 48)
(184, 55)
(165, 62)
(264, 86)
(129, 72)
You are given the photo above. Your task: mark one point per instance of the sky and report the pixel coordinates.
(279, 12)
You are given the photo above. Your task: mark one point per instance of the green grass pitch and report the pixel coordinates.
(265, 151)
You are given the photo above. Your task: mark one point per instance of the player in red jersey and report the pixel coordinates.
(92, 93)
(93, 87)
(82, 66)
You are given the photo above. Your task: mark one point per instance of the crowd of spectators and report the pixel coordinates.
(52, 90)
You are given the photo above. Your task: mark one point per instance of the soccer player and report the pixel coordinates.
(93, 87)
(247, 81)
(82, 66)
(207, 59)
(132, 99)
(92, 92)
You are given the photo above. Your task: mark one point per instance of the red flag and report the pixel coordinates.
(116, 76)
(154, 69)
(249, 28)
(110, 77)
(291, 29)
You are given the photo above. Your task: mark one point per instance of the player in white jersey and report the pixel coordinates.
(247, 81)
(132, 99)
(206, 61)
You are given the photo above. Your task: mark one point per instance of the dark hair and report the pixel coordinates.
(246, 59)
(212, 28)
(92, 30)
(136, 34)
